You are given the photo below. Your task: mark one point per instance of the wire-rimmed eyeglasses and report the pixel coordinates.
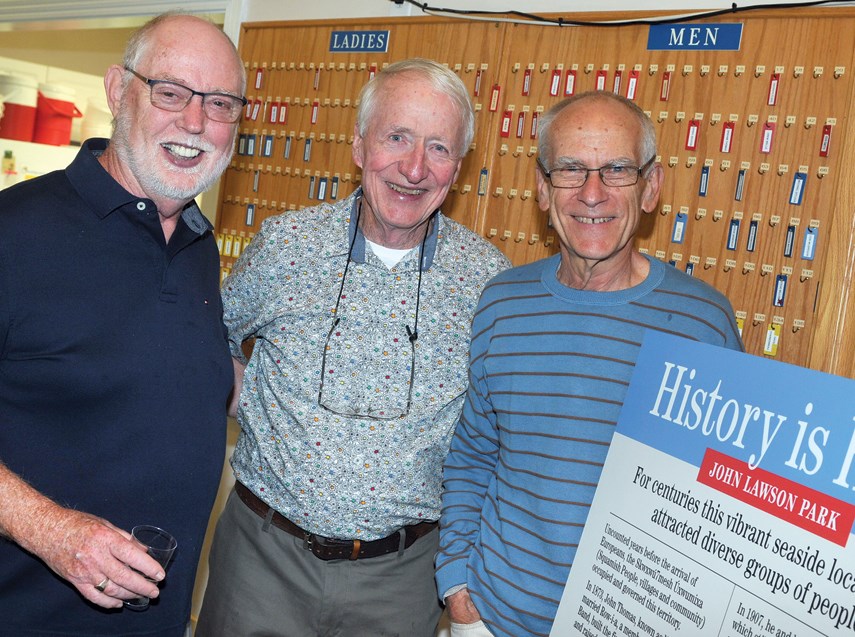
(345, 402)
(355, 393)
(172, 96)
(615, 174)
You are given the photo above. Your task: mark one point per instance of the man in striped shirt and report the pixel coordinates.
(553, 346)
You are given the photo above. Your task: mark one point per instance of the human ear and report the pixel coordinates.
(652, 188)
(542, 189)
(113, 86)
(357, 147)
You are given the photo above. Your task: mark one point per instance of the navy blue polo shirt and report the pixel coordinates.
(114, 377)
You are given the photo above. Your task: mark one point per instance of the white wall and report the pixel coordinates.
(75, 11)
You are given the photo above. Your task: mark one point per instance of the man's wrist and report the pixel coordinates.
(454, 589)
(461, 609)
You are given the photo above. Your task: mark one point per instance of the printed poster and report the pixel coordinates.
(726, 503)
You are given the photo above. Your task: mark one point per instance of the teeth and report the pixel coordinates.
(182, 151)
(406, 191)
(588, 220)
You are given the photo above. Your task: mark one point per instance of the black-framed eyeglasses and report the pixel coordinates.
(616, 175)
(172, 96)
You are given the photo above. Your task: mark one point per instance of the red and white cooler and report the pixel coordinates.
(19, 97)
(55, 113)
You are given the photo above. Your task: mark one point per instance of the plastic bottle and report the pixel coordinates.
(10, 176)
(8, 161)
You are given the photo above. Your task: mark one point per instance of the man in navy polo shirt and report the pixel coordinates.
(114, 366)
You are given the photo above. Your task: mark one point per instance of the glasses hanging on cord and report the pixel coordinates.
(362, 379)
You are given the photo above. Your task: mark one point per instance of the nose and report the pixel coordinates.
(593, 191)
(414, 165)
(192, 117)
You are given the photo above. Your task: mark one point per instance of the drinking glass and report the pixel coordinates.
(160, 545)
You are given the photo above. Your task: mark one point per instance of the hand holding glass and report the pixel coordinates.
(160, 545)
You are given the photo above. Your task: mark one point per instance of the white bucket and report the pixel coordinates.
(97, 120)
(19, 95)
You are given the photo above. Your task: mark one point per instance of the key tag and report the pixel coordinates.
(726, 137)
(569, 82)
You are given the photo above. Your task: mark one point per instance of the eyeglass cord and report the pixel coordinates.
(413, 334)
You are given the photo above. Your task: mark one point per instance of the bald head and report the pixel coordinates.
(545, 133)
(170, 30)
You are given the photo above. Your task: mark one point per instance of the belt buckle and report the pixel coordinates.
(308, 542)
(327, 548)
(313, 543)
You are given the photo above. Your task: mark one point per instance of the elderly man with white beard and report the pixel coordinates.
(114, 366)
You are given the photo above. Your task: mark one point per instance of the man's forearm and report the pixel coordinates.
(23, 510)
(79, 547)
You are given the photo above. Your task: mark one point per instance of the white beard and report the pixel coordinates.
(149, 170)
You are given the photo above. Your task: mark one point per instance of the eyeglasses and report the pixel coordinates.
(615, 175)
(356, 394)
(171, 96)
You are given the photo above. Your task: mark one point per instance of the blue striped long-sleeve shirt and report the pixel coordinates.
(549, 369)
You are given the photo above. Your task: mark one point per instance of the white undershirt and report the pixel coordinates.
(390, 256)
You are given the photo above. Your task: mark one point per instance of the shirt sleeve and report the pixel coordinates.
(468, 471)
(246, 288)
(728, 326)
(734, 339)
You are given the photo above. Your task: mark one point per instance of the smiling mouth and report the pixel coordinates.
(184, 152)
(593, 221)
(405, 191)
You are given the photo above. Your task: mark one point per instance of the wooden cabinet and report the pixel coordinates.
(756, 145)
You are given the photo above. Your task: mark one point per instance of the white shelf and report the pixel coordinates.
(32, 160)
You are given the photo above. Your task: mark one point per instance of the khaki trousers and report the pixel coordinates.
(263, 583)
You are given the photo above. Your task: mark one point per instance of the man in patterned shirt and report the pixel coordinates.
(360, 311)
(554, 345)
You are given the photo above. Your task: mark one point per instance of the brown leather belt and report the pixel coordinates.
(330, 549)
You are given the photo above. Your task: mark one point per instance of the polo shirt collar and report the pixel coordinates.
(104, 195)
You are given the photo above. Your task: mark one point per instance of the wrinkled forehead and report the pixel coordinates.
(196, 52)
(410, 102)
(596, 126)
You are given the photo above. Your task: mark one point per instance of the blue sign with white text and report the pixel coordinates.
(799, 423)
(694, 37)
(359, 41)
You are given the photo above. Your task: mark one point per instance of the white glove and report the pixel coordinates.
(478, 629)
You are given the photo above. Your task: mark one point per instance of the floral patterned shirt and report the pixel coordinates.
(370, 460)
